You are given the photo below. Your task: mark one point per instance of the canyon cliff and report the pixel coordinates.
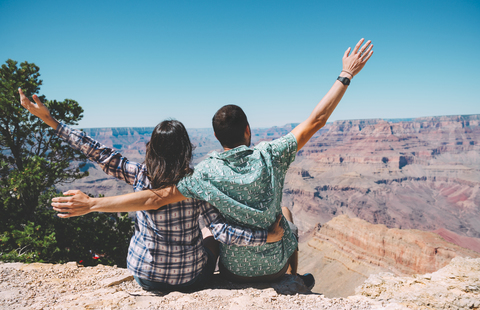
(419, 174)
(346, 251)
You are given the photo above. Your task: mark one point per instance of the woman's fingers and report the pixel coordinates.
(37, 100)
(24, 100)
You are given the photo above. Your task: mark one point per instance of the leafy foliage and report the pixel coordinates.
(32, 161)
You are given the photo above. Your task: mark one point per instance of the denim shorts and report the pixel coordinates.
(193, 284)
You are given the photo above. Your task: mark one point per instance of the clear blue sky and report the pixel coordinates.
(136, 63)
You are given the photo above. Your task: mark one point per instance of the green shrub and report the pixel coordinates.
(32, 161)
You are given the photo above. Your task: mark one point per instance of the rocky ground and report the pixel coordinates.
(456, 286)
(69, 286)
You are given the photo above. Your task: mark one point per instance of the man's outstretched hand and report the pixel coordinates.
(38, 109)
(275, 232)
(353, 63)
(77, 203)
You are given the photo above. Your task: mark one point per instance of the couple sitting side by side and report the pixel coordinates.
(238, 192)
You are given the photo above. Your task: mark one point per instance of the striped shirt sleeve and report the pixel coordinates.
(112, 162)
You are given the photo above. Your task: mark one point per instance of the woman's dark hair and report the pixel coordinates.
(168, 155)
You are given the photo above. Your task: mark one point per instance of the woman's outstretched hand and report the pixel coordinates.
(38, 109)
(78, 203)
(275, 232)
(353, 63)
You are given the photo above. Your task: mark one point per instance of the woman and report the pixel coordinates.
(167, 251)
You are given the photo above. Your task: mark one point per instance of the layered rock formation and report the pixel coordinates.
(346, 251)
(465, 242)
(418, 174)
(404, 252)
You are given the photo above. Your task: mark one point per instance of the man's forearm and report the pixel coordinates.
(77, 203)
(143, 200)
(329, 102)
(319, 116)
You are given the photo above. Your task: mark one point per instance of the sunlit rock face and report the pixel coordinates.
(345, 251)
(418, 174)
(456, 286)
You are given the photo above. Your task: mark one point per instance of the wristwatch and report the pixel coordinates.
(344, 80)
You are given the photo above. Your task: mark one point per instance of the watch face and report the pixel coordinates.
(344, 80)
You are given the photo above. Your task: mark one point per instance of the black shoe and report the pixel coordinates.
(308, 279)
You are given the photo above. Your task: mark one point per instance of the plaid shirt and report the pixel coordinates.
(167, 245)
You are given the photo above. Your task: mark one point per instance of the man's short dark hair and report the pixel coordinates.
(229, 124)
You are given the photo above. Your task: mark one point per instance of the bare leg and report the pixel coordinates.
(287, 214)
(293, 261)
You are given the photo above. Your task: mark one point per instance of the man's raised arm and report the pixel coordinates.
(77, 203)
(352, 64)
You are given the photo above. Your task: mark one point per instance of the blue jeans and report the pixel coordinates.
(193, 284)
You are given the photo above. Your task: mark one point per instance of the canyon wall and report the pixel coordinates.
(418, 174)
(346, 251)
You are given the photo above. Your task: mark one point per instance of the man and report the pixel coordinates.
(244, 184)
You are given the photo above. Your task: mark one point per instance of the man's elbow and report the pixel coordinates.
(319, 123)
(163, 197)
(157, 199)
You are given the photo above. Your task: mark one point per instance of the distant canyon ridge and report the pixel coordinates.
(421, 173)
(407, 174)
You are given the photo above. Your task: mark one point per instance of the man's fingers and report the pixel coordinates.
(347, 52)
(368, 57)
(355, 50)
(279, 218)
(368, 50)
(66, 215)
(364, 47)
(62, 206)
(62, 199)
(71, 192)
